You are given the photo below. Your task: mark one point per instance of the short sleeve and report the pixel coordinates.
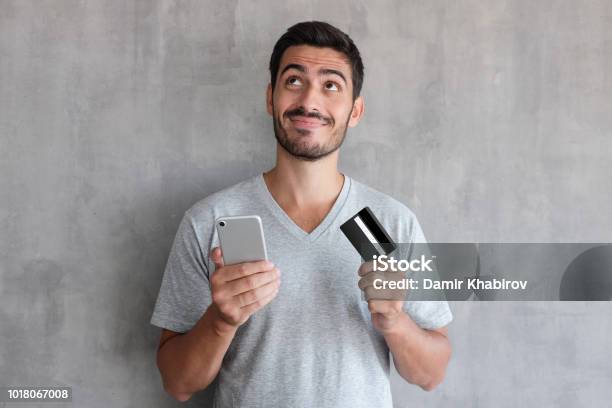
(185, 291)
(428, 314)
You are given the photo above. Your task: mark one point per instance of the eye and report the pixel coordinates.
(293, 80)
(333, 87)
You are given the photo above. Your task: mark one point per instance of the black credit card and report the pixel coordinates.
(367, 236)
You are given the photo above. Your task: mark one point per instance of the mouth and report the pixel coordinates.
(305, 122)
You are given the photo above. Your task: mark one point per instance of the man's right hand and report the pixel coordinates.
(239, 290)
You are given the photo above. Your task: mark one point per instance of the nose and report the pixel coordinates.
(310, 99)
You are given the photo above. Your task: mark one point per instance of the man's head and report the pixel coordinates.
(316, 78)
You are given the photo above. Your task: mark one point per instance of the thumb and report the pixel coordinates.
(216, 255)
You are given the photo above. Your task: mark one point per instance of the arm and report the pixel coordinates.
(420, 355)
(190, 362)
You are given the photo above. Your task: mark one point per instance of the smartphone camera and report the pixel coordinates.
(222, 223)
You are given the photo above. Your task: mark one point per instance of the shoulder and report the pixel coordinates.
(236, 199)
(228, 200)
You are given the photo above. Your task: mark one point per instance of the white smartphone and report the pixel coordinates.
(241, 238)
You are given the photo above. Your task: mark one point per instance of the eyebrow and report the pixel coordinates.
(322, 71)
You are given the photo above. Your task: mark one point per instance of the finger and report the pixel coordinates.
(251, 282)
(382, 306)
(245, 269)
(385, 306)
(373, 306)
(255, 306)
(382, 293)
(379, 306)
(368, 280)
(216, 255)
(253, 296)
(365, 268)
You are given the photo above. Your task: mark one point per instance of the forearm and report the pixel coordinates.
(420, 355)
(191, 361)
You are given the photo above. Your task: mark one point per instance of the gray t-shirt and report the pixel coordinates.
(314, 345)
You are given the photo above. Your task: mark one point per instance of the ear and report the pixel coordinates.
(357, 112)
(269, 105)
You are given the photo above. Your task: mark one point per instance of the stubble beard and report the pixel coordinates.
(301, 148)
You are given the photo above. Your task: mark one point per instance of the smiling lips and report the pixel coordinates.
(305, 122)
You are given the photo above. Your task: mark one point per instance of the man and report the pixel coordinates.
(306, 339)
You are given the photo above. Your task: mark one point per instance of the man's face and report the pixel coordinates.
(312, 103)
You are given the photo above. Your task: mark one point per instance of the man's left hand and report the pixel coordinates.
(385, 310)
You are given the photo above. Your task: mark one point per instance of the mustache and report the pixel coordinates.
(302, 112)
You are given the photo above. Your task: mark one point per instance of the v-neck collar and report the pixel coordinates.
(284, 219)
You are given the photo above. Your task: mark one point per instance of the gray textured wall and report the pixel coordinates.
(492, 120)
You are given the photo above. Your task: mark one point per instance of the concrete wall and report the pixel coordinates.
(492, 120)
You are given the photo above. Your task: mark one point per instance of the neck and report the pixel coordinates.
(299, 183)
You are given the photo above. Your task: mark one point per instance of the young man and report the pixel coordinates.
(306, 339)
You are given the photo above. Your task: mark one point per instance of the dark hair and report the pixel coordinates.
(319, 34)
